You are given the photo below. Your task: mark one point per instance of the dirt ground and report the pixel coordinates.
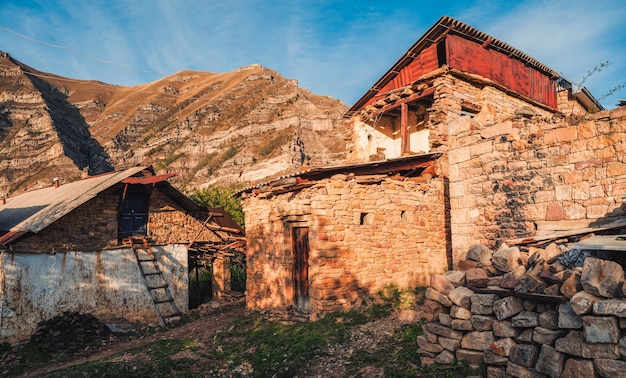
(211, 320)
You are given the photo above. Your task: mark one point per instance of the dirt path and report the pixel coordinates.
(200, 329)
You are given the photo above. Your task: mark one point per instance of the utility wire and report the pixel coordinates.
(79, 52)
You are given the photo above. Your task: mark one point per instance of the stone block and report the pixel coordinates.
(461, 296)
(444, 358)
(479, 253)
(436, 296)
(502, 347)
(477, 340)
(553, 290)
(572, 343)
(456, 277)
(578, 368)
(449, 344)
(427, 346)
(550, 362)
(465, 265)
(482, 304)
(610, 368)
(431, 337)
(615, 307)
(610, 351)
(476, 277)
(532, 283)
(503, 328)
(526, 336)
(460, 312)
(441, 330)
(509, 280)
(582, 302)
(432, 309)
(461, 325)
(520, 371)
(603, 278)
(546, 336)
(490, 358)
(481, 322)
(571, 285)
(622, 347)
(600, 330)
(549, 319)
(525, 319)
(427, 361)
(445, 319)
(441, 283)
(567, 318)
(471, 356)
(496, 372)
(524, 354)
(550, 252)
(508, 306)
(529, 305)
(506, 259)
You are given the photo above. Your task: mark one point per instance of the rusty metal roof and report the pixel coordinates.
(442, 27)
(34, 210)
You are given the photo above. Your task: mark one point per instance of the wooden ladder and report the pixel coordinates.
(158, 288)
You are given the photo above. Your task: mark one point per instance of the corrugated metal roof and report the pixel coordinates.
(35, 210)
(442, 27)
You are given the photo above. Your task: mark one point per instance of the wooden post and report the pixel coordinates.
(404, 133)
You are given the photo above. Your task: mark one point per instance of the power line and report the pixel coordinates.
(79, 52)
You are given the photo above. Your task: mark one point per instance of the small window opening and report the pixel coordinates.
(404, 217)
(367, 219)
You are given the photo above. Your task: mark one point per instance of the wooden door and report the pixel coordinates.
(300, 253)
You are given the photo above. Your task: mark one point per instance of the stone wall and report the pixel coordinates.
(530, 312)
(511, 177)
(362, 237)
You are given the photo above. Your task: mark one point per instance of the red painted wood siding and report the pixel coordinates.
(471, 57)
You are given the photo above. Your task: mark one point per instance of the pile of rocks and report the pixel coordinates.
(70, 332)
(540, 312)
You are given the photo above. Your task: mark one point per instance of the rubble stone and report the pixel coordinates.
(549, 319)
(440, 330)
(436, 296)
(444, 358)
(503, 328)
(615, 307)
(449, 344)
(471, 356)
(461, 325)
(477, 340)
(506, 307)
(572, 343)
(610, 351)
(525, 319)
(571, 286)
(550, 362)
(424, 344)
(600, 329)
(506, 259)
(482, 322)
(603, 278)
(550, 252)
(490, 358)
(510, 279)
(496, 372)
(567, 317)
(456, 277)
(622, 347)
(476, 277)
(582, 302)
(523, 354)
(610, 368)
(479, 253)
(441, 283)
(445, 319)
(526, 336)
(520, 371)
(502, 347)
(578, 368)
(546, 336)
(460, 313)
(482, 304)
(461, 296)
(532, 283)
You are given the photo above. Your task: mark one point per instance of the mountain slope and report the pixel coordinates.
(210, 128)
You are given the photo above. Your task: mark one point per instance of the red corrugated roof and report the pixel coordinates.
(148, 180)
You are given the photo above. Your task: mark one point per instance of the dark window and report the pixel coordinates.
(134, 212)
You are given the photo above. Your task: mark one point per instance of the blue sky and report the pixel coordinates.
(335, 48)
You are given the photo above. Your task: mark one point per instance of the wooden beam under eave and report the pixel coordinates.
(404, 125)
(418, 96)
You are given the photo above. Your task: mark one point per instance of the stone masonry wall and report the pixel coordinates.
(507, 177)
(362, 237)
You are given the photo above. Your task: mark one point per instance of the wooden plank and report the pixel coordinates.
(563, 234)
(512, 293)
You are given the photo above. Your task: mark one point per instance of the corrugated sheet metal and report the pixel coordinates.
(149, 179)
(34, 210)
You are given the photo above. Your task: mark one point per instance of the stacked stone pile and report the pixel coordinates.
(535, 313)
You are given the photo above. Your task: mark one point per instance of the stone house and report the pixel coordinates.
(68, 248)
(464, 140)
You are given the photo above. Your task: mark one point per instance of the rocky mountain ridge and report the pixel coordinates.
(209, 128)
